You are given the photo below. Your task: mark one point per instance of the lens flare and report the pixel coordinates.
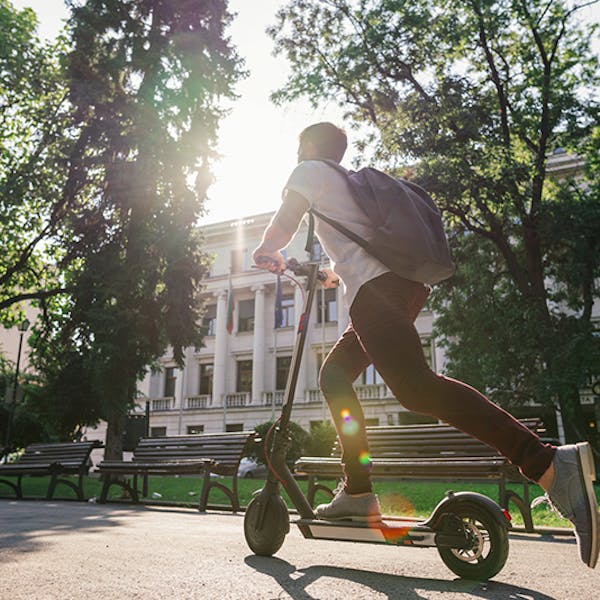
(350, 427)
(364, 458)
(345, 414)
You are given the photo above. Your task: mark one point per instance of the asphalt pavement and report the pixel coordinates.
(71, 550)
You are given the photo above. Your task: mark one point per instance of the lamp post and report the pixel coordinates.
(22, 327)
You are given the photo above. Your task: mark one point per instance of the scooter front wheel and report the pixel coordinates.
(266, 523)
(487, 550)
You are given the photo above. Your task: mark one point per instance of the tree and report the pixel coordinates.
(34, 139)
(475, 95)
(145, 80)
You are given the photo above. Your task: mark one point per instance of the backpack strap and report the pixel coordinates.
(310, 236)
(349, 234)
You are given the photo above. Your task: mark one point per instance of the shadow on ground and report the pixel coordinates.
(22, 523)
(295, 581)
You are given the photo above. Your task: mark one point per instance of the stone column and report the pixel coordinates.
(258, 348)
(221, 342)
(342, 312)
(181, 388)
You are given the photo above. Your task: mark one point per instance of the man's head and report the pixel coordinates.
(322, 140)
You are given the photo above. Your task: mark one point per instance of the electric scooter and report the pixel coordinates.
(469, 529)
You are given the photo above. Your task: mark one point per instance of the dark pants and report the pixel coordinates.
(382, 332)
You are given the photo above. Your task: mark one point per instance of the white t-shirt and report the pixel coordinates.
(327, 190)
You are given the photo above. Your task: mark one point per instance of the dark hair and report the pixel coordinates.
(329, 140)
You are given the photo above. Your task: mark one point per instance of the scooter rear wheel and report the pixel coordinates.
(265, 530)
(488, 551)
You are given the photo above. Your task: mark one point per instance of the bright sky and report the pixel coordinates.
(257, 141)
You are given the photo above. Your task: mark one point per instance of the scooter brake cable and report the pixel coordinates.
(293, 279)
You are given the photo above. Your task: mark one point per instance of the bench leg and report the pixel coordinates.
(108, 481)
(205, 490)
(208, 484)
(235, 504)
(15, 486)
(507, 496)
(314, 487)
(52, 486)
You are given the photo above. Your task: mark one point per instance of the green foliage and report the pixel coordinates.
(320, 440)
(34, 138)
(471, 98)
(145, 81)
(298, 438)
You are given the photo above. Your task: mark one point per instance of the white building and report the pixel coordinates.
(236, 381)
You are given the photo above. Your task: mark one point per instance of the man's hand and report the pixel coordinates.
(272, 261)
(332, 280)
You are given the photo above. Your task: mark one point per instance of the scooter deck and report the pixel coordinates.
(397, 532)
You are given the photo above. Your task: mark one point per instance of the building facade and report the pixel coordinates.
(236, 380)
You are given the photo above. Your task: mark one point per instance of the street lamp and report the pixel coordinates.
(22, 328)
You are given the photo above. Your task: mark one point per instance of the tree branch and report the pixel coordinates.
(502, 101)
(40, 295)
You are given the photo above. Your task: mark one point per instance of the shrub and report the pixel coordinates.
(320, 440)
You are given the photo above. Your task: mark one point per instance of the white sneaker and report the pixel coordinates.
(363, 507)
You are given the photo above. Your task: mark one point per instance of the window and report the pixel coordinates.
(370, 376)
(371, 422)
(209, 320)
(246, 315)
(206, 379)
(330, 297)
(194, 429)
(283, 368)
(234, 427)
(287, 311)
(170, 378)
(158, 432)
(244, 376)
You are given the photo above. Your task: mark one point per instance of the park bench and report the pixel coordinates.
(432, 451)
(57, 460)
(203, 454)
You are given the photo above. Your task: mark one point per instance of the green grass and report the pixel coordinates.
(411, 498)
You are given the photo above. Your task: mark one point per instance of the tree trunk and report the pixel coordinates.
(114, 436)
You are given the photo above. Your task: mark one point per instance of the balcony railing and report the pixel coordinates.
(158, 404)
(202, 401)
(237, 400)
(376, 391)
(314, 396)
(267, 398)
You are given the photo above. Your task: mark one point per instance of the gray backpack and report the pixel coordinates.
(408, 236)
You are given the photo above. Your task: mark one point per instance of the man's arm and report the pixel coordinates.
(280, 231)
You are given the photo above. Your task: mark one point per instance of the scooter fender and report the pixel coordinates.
(453, 499)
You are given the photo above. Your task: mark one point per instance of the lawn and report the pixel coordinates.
(411, 498)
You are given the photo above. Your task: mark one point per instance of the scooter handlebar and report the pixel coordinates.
(303, 269)
(291, 264)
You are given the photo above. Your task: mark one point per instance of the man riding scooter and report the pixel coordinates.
(383, 306)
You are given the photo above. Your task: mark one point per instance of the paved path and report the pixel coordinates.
(71, 550)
